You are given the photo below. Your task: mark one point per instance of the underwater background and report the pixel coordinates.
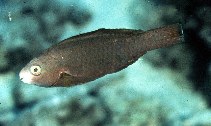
(166, 87)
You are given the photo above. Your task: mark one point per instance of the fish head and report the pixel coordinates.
(40, 71)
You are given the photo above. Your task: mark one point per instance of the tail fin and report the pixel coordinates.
(162, 37)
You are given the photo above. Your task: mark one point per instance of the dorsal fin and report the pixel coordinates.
(104, 31)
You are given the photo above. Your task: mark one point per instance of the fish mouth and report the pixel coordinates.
(25, 77)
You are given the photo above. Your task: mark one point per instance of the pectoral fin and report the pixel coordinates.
(66, 72)
(66, 79)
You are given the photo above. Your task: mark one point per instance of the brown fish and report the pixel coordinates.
(88, 56)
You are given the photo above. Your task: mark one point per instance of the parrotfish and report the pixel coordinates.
(86, 57)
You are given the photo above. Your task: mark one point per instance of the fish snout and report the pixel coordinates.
(25, 76)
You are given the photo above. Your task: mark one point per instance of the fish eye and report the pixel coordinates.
(35, 70)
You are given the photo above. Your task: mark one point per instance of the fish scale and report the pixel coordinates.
(86, 57)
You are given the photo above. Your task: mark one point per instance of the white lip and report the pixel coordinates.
(25, 76)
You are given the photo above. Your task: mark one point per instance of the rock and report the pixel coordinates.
(68, 108)
(6, 87)
(206, 35)
(7, 117)
(4, 67)
(199, 119)
(147, 15)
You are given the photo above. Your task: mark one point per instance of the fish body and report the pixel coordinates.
(88, 56)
